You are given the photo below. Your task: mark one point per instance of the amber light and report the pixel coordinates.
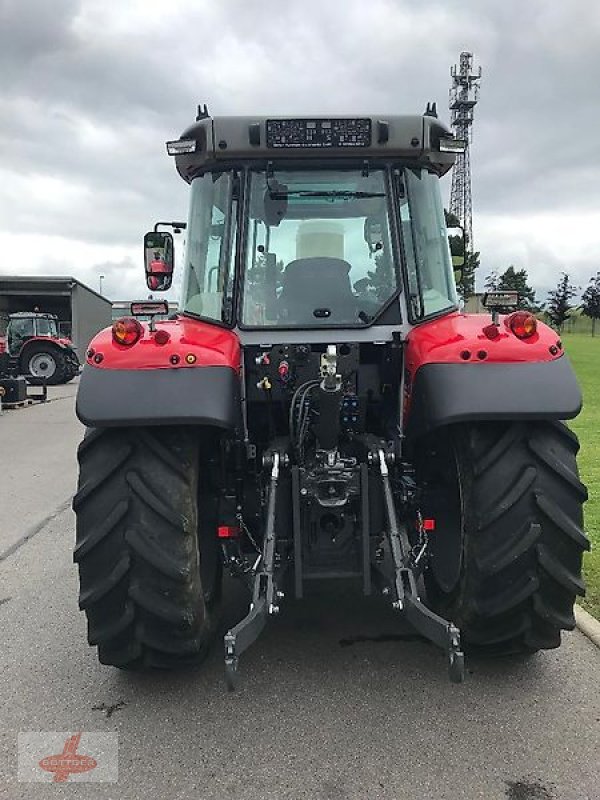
(126, 331)
(522, 324)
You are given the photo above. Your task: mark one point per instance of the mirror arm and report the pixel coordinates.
(177, 226)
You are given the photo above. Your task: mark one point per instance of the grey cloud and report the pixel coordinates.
(534, 140)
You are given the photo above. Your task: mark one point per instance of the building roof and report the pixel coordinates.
(43, 283)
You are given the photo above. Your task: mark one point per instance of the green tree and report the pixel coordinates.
(491, 282)
(515, 280)
(466, 285)
(559, 301)
(465, 275)
(590, 301)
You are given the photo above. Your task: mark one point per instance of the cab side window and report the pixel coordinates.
(18, 332)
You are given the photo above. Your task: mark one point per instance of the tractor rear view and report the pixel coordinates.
(321, 410)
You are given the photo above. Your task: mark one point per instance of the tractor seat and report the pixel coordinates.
(315, 283)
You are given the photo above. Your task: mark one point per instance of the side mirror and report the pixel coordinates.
(159, 260)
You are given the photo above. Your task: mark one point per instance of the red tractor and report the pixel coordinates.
(36, 349)
(322, 410)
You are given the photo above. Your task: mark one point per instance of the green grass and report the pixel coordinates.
(584, 352)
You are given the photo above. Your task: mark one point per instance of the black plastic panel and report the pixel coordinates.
(447, 393)
(180, 396)
(318, 133)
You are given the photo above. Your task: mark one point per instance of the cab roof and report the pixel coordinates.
(213, 143)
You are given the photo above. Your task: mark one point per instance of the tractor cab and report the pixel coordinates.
(313, 224)
(23, 326)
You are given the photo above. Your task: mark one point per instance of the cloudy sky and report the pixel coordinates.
(91, 90)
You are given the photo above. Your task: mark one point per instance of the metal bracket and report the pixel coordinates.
(405, 596)
(265, 594)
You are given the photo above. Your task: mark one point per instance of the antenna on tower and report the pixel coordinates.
(464, 95)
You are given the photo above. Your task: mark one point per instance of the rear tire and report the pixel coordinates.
(150, 572)
(511, 567)
(39, 359)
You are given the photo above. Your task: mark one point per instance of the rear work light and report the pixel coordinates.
(127, 331)
(522, 324)
(180, 147)
(448, 145)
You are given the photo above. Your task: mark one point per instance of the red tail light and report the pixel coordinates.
(522, 324)
(127, 331)
(228, 531)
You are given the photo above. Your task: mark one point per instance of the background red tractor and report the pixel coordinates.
(36, 349)
(321, 410)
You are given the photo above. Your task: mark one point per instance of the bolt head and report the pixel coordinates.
(398, 605)
(280, 595)
(273, 610)
(385, 591)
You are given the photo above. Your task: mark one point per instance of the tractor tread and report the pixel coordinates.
(153, 443)
(572, 583)
(512, 496)
(490, 457)
(523, 538)
(158, 557)
(510, 598)
(104, 633)
(537, 446)
(160, 607)
(96, 534)
(568, 526)
(137, 548)
(104, 584)
(510, 550)
(151, 497)
(559, 619)
(93, 483)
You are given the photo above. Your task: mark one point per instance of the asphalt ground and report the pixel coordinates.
(336, 700)
(38, 465)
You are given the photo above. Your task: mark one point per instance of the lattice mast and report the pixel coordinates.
(464, 95)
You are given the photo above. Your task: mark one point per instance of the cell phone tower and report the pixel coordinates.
(464, 95)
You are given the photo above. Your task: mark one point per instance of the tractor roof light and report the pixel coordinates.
(451, 145)
(522, 324)
(180, 147)
(127, 331)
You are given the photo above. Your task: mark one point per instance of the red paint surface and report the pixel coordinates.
(211, 345)
(442, 341)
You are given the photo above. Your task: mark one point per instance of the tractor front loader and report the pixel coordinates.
(321, 409)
